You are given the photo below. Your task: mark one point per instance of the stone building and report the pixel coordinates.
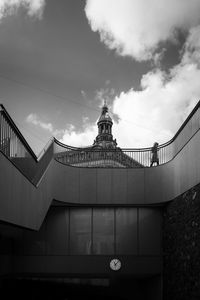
(104, 152)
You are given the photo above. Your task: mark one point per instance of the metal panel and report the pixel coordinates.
(103, 231)
(104, 184)
(150, 231)
(57, 231)
(87, 265)
(88, 185)
(135, 186)
(153, 184)
(80, 231)
(65, 182)
(72, 185)
(5, 188)
(119, 186)
(33, 242)
(126, 230)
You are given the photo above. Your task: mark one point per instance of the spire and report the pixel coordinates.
(104, 114)
(105, 106)
(105, 138)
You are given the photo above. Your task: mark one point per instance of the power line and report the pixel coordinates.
(47, 92)
(71, 100)
(31, 132)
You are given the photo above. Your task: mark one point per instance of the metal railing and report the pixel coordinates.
(12, 143)
(14, 146)
(129, 158)
(124, 158)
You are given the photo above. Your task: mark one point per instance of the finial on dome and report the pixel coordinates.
(104, 107)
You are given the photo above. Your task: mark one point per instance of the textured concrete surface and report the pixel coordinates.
(181, 247)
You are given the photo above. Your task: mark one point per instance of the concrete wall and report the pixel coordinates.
(62, 246)
(25, 205)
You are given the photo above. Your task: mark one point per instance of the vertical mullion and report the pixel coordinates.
(69, 250)
(115, 246)
(138, 240)
(92, 232)
(0, 127)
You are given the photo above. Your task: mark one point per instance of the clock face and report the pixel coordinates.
(115, 264)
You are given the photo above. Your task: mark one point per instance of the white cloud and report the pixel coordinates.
(33, 118)
(164, 101)
(80, 138)
(69, 135)
(192, 47)
(155, 112)
(136, 27)
(159, 109)
(33, 7)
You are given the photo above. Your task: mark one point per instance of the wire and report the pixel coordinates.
(47, 92)
(73, 101)
(31, 132)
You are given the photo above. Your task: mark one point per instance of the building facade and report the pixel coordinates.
(104, 152)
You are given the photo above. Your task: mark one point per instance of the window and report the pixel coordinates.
(126, 230)
(103, 231)
(80, 231)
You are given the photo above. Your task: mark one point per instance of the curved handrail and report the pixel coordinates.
(166, 151)
(14, 145)
(11, 130)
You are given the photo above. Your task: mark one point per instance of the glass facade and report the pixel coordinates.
(80, 231)
(57, 226)
(103, 231)
(126, 231)
(95, 231)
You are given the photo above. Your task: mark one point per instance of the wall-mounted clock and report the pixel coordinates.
(115, 264)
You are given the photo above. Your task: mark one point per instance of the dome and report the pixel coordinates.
(105, 115)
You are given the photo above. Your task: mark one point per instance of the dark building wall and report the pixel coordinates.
(83, 240)
(95, 231)
(181, 247)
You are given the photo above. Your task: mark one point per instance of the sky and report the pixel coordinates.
(60, 59)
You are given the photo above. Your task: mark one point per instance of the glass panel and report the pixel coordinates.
(57, 231)
(80, 231)
(103, 231)
(126, 231)
(149, 231)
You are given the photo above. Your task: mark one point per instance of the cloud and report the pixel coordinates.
(137, 27)
(33, 7)
(164, 101)
(157, 110)
(165, 98)
(33, 119)
(69, 135)
(191, 52)
(80, 138)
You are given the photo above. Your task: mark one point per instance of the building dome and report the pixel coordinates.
(104, 139)
(105, 117)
